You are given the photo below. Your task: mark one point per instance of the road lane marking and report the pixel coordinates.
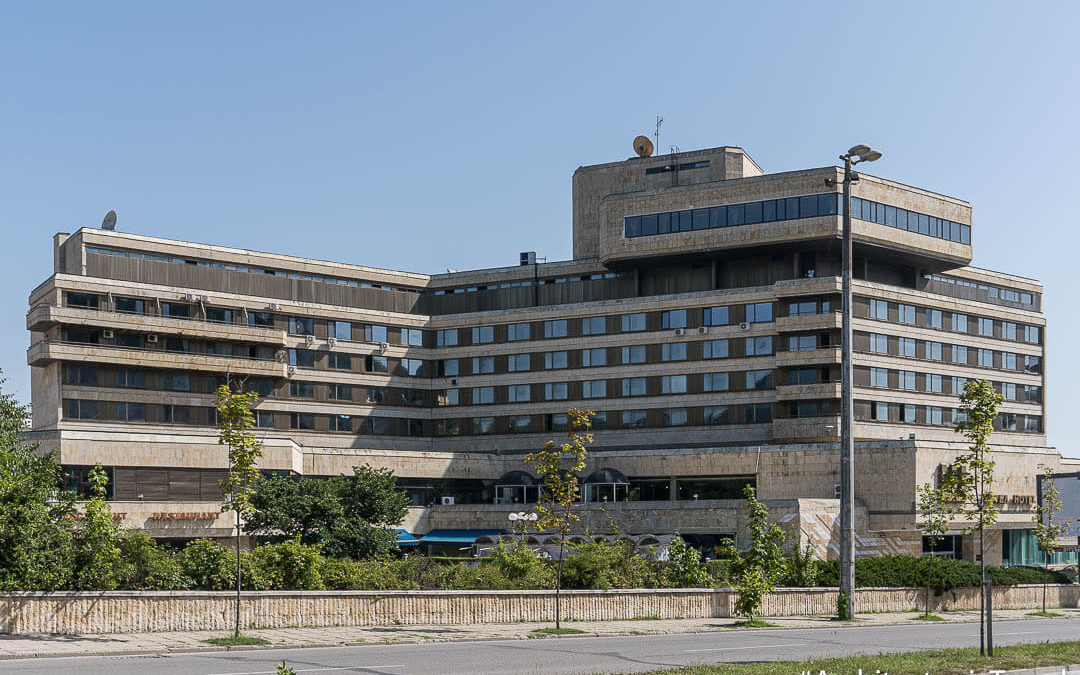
(309, 670)
(731, 649)
(1028, 632)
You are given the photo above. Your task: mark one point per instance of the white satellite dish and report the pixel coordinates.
(109, 223)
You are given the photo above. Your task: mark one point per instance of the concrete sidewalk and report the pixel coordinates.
(24, 646)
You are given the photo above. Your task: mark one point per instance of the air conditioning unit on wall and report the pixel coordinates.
(108, 334)
(745, 325)
(331, 342)
(447, 501)
(680, 331)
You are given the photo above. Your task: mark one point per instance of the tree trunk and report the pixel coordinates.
(558, 581)
(1046, 570)
(929, 576)
(236, 632)
(982, 585)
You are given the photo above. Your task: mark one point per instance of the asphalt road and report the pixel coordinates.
(623, 654)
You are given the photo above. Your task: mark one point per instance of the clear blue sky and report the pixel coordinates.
(422, 136)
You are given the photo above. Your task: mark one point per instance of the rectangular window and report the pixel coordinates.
(340, 392)
(1008, 421)
(264, 419)
(1033, 423)
(339, 361)
(986, 327)
(633, 386)
(1008, 360)
(804, 376)
(714, 349)
(449, 368)
(86, 376)
(518, 393)
(591, 358)
(1031, 334)
(299, 325)
(675, 318)
(1032, 393)
(341, 423)
(880, 410)
(556, 360)
(879, 309)
(413, 337)
(517, 363)
(933, 351)
(759, 379)
(517, 331)
(715, 382)
(801, 343)
(594, 325)
(82, 410)
(374, 333)
(376, 394)
(176, 310)
(483, 335)
(298, 389)
(448, 427)
(448, 337)
(136, 306)
(758, 413)
(933, 318)
(131, 412)
(301, 421)
(717, 316)
(301, 358)
(555, 329)
(959, 322)
(959, 354)
(83, 300)
(483, 425)
(906, 313)
(1008, 391)
(986, 358)
(632, 323)
(377, 364)
(134, 379)
(906, 346)
(594, 389)
(633, 419)
(674, 417)
(483, 395)
(879, 343)
(907, 412)
(412, 367)
(635, 354)
(1008, 330)
(933, 415)
(555, 391)
(673, 384)
(177, 382)
(215, 315)
(933, 382)
(759, 312)
(483, 365)
(1032, 364)
(379, 426)
(802, 308)
(518, 423)
(673, 351)
(340, 330)
(449, 397)
(958, 385)
(260, 320)
(716, 414)
(879, 377)
(759, 346)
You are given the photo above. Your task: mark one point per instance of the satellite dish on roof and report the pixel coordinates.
(109, 223)
(643, 146)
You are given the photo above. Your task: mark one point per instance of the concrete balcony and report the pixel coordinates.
(813, 357)
(42, 353)
(807, 429)
(797, 392)
(809, 323)
(41, 317)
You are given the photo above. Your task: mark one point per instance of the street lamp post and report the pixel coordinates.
(857, 154)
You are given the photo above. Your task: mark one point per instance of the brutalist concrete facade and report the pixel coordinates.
(700, 318)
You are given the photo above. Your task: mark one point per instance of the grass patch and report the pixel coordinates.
(551, 630)
(233, 641)
(752, 623)
(1046, 615)
(927, 617)
(941, 662)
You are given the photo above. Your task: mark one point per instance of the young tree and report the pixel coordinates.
(236, 425)
(1047, 532)
(969, 483)
(933, 506)
(763, 564)
(97, 558)
(560, 467)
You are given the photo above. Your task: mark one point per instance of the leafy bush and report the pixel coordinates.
(146, 566)
(521, 566)
(684, 568)
(907, 570)
(289, 566)
(209, 566)
(604, 564)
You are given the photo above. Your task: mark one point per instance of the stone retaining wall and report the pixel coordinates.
(134, 612)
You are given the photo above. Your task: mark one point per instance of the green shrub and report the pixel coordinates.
(721, 571)
(289, 566)
(146, 566)
(684, 568)
(209, 566)
(906, 570)
(607, 564)
(521, 566)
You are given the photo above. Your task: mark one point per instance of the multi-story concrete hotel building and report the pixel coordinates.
(699, 318)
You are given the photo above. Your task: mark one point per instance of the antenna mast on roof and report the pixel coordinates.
(659, 121)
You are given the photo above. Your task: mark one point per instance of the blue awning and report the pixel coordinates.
(406, 539)
(460, 537)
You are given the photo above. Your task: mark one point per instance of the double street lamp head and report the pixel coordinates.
(862, 153)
